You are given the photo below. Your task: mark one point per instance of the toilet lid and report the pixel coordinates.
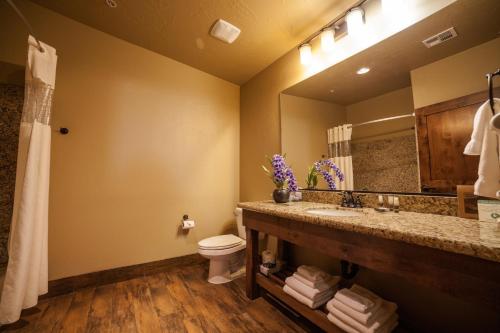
(220, 242)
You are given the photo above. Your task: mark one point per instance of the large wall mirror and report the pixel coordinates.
(405, 122)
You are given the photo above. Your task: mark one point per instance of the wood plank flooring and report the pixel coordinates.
(177, 300)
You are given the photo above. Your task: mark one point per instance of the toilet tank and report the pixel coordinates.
(238, 212)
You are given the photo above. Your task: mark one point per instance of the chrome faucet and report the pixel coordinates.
(350, 200)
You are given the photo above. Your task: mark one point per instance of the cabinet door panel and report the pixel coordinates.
(449, 132)
(443, 130)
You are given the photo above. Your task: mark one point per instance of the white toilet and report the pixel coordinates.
(226, 253)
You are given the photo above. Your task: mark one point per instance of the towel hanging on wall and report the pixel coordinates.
(485, 142)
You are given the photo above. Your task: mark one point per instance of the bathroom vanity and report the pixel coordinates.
(454, 255)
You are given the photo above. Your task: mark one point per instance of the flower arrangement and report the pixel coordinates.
(318, 166)
(312, 178)
(281, 173)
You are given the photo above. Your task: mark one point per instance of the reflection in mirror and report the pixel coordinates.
(397, 116)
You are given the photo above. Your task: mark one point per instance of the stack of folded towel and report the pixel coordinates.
(358, 310)
(311, 286)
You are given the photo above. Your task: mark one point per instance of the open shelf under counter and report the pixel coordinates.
(274, 285)
(318, 317)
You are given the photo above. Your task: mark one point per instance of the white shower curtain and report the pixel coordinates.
(27, 276)
(339, 148)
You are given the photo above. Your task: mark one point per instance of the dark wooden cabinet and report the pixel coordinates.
(443, 130)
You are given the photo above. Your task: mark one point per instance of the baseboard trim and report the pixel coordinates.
(94, 279)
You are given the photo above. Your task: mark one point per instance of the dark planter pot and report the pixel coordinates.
(281, 195)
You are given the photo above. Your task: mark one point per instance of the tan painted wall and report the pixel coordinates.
(458, 75)
(304, 123)
(394, 103)
(150, 140)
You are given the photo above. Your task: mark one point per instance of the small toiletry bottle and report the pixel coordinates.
(380, 201)
(396, 204)
(390, 202)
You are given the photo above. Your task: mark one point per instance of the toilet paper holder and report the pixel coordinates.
(186, 222)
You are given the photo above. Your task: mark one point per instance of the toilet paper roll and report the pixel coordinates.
(188, 224)
(268, 257)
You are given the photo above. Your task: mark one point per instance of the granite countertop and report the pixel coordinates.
(448, 233)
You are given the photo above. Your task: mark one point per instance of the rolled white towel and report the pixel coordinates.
(311, 293)
(312, 273)
(364, 318)
(320, 285)
(304, 300)
(388, 327)
(387, 310)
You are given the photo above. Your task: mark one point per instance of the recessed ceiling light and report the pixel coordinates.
(111, 3)
(363, 70)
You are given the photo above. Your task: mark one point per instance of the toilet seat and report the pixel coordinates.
(220, 242)
(215, 253)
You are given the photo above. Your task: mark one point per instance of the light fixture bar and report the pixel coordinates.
(332, 24)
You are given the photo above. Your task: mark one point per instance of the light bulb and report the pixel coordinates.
(395, 8)
(305, 54)
(327, 39)
(355, 21)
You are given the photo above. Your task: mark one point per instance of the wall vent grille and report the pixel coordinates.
(441, 37)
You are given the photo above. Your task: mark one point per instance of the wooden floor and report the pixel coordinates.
(179, 300)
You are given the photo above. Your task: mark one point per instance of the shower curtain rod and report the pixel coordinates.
(28, 25)
(383, 119)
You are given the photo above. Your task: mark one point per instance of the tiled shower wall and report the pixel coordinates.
(386, 165)
(11, 105)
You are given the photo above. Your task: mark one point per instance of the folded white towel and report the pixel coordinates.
(386, 328)
(364, 292)
(312, 273)
(304, 300)
(354, 300)
(387, 310)
(366, 319)
(321, 285)
(311, 293)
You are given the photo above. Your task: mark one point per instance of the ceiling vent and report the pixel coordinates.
(225, 31)
(441, 37)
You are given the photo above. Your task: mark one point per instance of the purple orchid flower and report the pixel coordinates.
(281, 174)
(326, 173)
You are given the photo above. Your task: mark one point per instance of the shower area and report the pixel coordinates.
(11, 107)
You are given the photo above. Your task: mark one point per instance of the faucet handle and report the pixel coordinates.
(345, 201)
(357, 202)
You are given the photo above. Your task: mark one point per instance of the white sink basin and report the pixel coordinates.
(333, 212)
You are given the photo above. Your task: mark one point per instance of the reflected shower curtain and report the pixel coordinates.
(339, 148)
(27, 275)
